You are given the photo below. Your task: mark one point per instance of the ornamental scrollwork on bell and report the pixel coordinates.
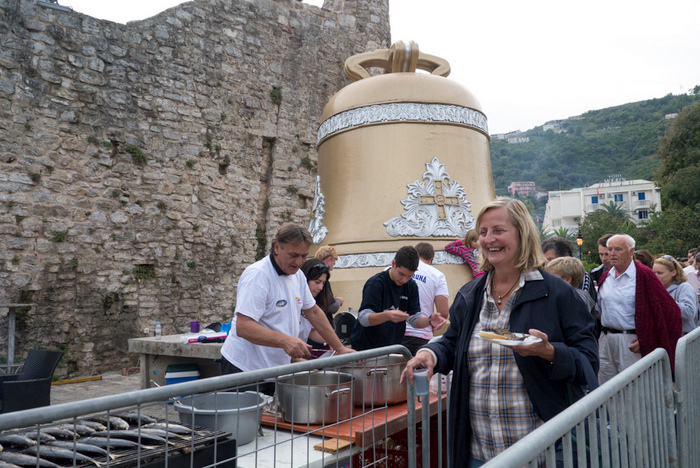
(316, 228)
(435, 206)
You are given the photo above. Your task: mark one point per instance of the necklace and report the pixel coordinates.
(501, 296)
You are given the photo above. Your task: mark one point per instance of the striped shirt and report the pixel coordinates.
(500, 408)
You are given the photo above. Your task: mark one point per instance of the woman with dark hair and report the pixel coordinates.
(644, 257)
(317, 275)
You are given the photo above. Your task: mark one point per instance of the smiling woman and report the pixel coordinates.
(535, 379)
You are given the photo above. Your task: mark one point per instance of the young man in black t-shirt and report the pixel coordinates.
(389, 300)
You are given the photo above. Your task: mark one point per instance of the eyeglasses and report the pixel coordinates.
(320, 266)
(669, 258)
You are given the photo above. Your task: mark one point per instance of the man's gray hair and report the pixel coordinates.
(629, 240)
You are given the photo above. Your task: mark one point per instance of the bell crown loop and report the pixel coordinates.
(401, 57)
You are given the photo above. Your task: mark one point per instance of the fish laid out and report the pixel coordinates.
(16, 440)
(135, 436)
(163, 433)
(40, 437)
(4, 464)
(22, 459)
(85, 449)
(58, 432)
(112, 443)
(58, 453)
(135, 418)
(112, 422)
(80, 429)
(176, 428)
(92, 424)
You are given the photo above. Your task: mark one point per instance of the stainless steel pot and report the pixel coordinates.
(318, 397)
(377, 380)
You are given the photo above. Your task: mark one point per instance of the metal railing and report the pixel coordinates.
(287, 444)
(627, 422)
(688, 398)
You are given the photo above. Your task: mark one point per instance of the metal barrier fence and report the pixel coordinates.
(627, 422)
(688, 398)
(283, 442)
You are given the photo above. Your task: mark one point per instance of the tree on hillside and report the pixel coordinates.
(672, 231)
(599, 223)
(679, 150)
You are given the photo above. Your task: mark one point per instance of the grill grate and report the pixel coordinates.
(202, 439)
(196, 449)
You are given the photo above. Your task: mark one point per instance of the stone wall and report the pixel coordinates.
(144, 165)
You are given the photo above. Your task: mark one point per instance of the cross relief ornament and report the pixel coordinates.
(438, 199)
(435, 207)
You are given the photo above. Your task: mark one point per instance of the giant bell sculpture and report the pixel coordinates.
(403, 158)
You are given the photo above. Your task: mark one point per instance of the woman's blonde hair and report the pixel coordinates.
(472, 236)
(672, 264)
(530, 256)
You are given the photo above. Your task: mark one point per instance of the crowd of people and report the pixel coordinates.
(586, 327)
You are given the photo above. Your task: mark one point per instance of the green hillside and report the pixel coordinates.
(617, 140)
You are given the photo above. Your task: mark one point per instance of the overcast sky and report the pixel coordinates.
(530, 62)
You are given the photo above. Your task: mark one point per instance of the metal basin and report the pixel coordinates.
(318, 397)
(378, 380)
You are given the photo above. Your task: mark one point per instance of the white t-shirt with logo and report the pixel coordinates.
(431, 282)
(275, 302)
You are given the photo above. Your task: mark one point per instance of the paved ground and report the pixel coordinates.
(111, 383)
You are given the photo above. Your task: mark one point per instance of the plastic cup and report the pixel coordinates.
(420, 381)
(194, 326)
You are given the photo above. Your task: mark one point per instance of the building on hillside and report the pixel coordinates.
(554, 125)
(522, 189)
(516, 140)
(567, 208)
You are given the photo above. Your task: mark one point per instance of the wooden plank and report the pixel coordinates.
(333, 445)
(364, 428)
(79, 380)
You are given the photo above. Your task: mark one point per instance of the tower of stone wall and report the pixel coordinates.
(144, 165)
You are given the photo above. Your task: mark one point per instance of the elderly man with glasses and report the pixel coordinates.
(637, 313)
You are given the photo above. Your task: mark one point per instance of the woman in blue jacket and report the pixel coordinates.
(502, 393)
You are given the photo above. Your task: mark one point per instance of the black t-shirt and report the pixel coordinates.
(380, 293)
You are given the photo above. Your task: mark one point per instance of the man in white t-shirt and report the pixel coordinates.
(432, 290)
(272, 295)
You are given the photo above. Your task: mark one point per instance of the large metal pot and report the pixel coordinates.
(377, 380)
(318, 397)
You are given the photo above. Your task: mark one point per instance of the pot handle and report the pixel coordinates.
(337, 393)
(378, 370)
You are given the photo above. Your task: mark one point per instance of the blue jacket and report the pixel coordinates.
(551, 306)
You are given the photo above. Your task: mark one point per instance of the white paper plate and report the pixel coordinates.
(529, 339)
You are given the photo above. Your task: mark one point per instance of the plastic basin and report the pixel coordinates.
(239, 413)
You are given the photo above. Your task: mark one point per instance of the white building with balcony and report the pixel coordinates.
(568, 208)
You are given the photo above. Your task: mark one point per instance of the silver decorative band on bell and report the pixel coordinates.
(383, 259)
(403, 112)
